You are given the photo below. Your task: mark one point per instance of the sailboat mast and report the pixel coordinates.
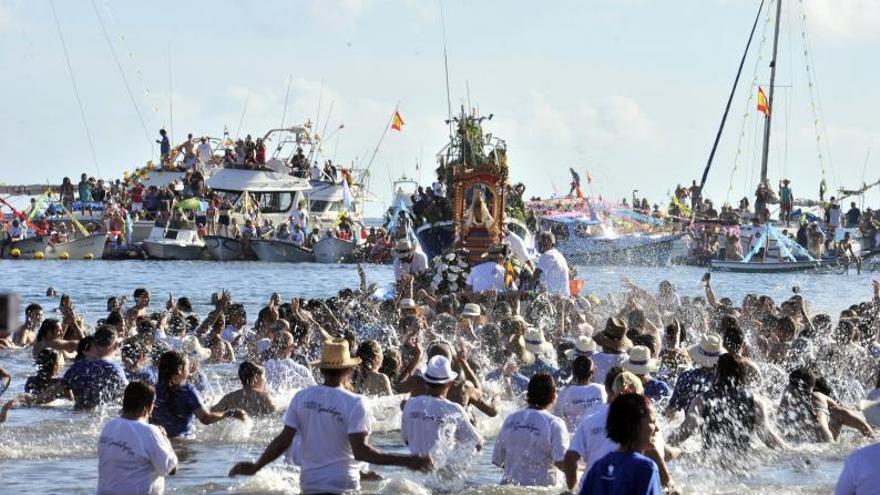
(769, 115)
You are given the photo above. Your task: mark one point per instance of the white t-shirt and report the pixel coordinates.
(590, 440)
(603, 362)
(418, 265)
(486, 276)
(133, 458)
(205, 152)
(554, 272)
(316, 173)
(861, 473)
(287, 374)
(426, 419)
(576, 402)
(323, 418)
(529, 444)
(298, 217)
(518, 247)
(297, 237)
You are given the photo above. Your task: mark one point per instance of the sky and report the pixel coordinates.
(630, 90)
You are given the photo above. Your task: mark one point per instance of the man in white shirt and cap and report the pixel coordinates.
(490, 274)
(432, 419)
(408, 260)
(334, 426)
(552, 268)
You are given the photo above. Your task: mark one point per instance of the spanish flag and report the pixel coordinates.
(762, 102)
(397, 121)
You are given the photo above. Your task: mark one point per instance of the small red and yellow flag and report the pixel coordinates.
(762, 102)
(397, 121)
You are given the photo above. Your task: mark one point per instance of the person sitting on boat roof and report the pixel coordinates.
(240, 153)
(260, 152)
(250, 150)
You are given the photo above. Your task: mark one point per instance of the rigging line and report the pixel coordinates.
(815, 100)
(729, 98)
(170, 96)
(446, 67)
(243, 110)
(286, 98)
(82, 111)
(750, 100)
(124, 79)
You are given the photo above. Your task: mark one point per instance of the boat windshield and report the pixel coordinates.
(274, 202)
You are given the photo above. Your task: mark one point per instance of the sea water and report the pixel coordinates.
(53, 449)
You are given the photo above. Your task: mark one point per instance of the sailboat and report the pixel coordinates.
(770, 240)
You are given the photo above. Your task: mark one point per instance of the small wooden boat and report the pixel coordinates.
(88, 247)
(222, 248)
(281, 251)
(334, 250)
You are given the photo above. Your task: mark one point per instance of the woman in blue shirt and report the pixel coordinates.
(626, 471)
(178, 402)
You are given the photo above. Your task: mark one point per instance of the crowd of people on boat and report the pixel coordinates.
(606, 391)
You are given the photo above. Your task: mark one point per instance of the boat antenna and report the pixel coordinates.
(730, 98)
(769, 114)
(243, 111)
(286, 98)
(467, 87)
(82, 112)
(446, 68)
(320, 98)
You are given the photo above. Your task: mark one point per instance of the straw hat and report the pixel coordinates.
(438, 371)
(585, 346)
(335, 355)
(535, 342)
(640, 361)
(192, 348)
(471, 309)
(627, 383)
(707, 352)
(614, 336)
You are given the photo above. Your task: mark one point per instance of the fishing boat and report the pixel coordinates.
(771, 266)
(87, 247)
(281, 252)
(169, 243)
(223, 248)
(335, 250)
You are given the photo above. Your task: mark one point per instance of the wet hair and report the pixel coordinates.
(843, 334)
(370, 352)
(541, 390)
(184, 305)
(802, 381)
(733, 339)
(391, 364)
(140, 291)
(104, 337)
(32, 308)
(610, 377)
(112, 302)
(624, 417)
(731, 372)
(47, 362)
(138, 397)
(676, 328)
(582, 367)
(786, 326)
(46, 327)
(83, 347)
(247, 371)
(114, 318)
(132, 352)
(170, 364)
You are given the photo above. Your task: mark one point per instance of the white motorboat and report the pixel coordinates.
(281, 251)
(174, 244)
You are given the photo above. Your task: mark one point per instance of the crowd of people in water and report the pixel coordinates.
(608, 391)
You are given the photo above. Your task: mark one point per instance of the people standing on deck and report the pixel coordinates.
(853, 216)
(164, 147)
(786, 201)
(205, 153)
